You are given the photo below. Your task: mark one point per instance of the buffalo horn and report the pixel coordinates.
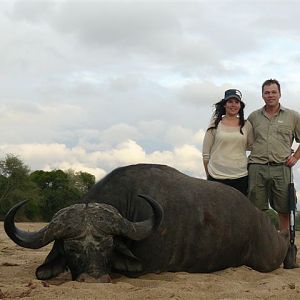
(32, 240)
(141, 230)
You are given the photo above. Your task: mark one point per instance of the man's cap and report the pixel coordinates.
(233, 93)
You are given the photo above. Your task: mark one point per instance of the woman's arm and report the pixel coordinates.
(208, 142)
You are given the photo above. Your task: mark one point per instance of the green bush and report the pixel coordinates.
(272, 214)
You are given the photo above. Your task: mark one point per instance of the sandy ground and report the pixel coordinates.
(17, 280)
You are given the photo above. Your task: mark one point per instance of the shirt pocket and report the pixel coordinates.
(284, 133)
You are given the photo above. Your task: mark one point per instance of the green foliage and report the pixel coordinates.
(275, 219)
(273, 216)
(297, 221)
(58, 190)
(47, 192)
(81, 180)
(15, 186)
(13, 175)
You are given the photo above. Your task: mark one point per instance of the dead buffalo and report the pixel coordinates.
(193, 225)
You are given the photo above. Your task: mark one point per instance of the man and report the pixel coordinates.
(275, 128)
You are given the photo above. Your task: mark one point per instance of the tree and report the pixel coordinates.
(15, 186)
(13, 173)
(83, 181)
(59, 189)
(48, 192)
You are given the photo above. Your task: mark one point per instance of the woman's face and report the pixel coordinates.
(232, 107)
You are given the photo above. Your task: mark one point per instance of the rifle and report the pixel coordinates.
(292, 207)
(290, 259)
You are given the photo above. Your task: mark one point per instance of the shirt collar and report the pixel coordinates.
(281, 108)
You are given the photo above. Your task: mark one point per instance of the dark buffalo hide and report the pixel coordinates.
(207, 226)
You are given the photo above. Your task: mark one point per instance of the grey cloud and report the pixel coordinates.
(200, 93)
(94, 74)
(123, 23)
(32, 10)
(119, 133)
(152, 31)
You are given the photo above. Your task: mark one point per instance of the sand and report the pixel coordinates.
(17, 280)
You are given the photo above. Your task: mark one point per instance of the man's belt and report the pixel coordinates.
(270, 163)
(273, 163)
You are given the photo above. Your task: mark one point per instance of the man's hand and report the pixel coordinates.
(291, 161)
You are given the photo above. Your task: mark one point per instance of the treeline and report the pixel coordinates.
(47, 191)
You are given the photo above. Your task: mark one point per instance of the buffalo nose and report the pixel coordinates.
(84, 277)
(105, 278)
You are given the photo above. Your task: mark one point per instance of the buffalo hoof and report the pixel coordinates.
(290, 259)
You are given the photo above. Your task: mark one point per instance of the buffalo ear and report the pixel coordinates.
(124, 261)
(55, 263)
(126, 265)
(50, 270)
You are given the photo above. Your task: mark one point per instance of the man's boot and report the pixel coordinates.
(290, 258)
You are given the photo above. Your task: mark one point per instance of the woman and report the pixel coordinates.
(226, 141)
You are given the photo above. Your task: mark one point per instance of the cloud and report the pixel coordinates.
(101, 84)
(186, 157)
(183, 37)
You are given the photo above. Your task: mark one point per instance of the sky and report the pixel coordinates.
(95, 85)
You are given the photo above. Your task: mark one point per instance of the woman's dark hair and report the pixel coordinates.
(220, 112)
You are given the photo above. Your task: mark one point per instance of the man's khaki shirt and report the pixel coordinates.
(273, 138)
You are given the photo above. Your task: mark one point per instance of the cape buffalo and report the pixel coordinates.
(193, 225)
